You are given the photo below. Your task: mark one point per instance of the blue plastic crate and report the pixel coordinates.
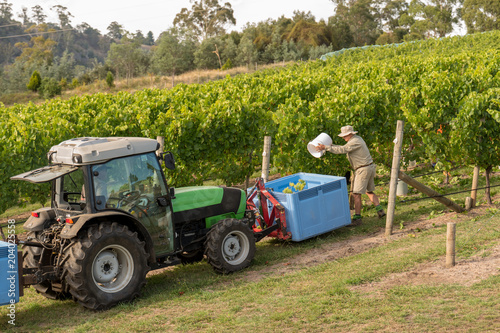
(322, 206)
(9, 276)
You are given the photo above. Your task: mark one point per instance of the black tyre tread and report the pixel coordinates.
(75, 278)
(31, 257)
(213, 242)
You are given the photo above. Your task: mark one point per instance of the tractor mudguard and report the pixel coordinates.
(201, 202)
(71, 230)
(39, 219)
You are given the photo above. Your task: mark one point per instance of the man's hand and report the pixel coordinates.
(320, 147)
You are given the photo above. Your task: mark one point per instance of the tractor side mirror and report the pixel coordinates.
(169, 160)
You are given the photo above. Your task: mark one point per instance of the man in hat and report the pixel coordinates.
(364, 169)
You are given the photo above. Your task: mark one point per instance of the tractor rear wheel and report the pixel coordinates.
(107, 265)
(31, 258)
(230, 246)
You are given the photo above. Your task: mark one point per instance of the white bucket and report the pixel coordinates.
(324, 139)
(401, 188)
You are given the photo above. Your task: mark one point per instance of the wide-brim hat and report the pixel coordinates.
(346, 130)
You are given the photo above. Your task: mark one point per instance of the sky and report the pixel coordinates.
(157, 16)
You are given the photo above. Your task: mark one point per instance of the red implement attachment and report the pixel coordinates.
(272, 221)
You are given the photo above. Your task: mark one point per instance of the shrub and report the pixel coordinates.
(35, 81)
(49, 88)
(85, 79)
(63, 83)
(110, 79)
(227, 65)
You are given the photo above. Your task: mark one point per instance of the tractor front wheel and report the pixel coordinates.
(106, 266)
(230, 246)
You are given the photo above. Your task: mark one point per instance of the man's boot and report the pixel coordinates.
(381, 213)
(355, 221)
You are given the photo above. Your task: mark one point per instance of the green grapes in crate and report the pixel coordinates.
(298, 187)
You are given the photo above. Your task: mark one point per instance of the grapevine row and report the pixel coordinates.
(446, 90)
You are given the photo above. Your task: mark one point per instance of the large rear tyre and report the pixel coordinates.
(230, 246)
(31, 259)
(106, 266)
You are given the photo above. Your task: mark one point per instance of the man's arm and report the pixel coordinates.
(335, 149)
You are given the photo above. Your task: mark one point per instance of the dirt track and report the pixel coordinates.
(466, 272)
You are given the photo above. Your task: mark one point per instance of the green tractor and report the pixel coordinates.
(113, 218)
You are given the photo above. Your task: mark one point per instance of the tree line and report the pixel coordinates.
(49, 56)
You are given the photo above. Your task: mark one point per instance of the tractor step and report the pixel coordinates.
(169, 261)
(57, 287)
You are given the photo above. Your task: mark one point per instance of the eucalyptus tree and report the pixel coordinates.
(206, 18)
(481, 15)
(174, 53)
(433, 18)
(362, 19)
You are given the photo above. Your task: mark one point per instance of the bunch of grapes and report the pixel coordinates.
(298, 187)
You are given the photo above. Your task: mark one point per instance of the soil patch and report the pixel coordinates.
(17, 218)
(465, 272)
(476, 267)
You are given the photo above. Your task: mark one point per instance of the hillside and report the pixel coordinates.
(45, 39)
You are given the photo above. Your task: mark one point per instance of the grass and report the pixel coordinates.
(318, 298)
(138, 83)
(324, 297)
(19, 210)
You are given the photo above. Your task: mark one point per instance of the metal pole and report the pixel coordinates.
(450, 245)
(396, 158)
(266, 158)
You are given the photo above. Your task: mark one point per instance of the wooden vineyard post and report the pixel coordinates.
(351, 197)
(247, 179)
(161, 141)
(450, 245)
(266, 158)
(468, 203)
(430, 192)
(475, 178)
(487, 173)
(396, 159)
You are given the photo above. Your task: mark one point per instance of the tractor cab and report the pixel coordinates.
(105, 176)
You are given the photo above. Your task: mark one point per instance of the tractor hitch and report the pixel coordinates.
(270, 219)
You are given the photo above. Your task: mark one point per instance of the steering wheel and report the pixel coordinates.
(128, 197)
(122, 199)
(142, 200)
(129, 194)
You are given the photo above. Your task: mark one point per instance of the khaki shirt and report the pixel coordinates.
(356, 150)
